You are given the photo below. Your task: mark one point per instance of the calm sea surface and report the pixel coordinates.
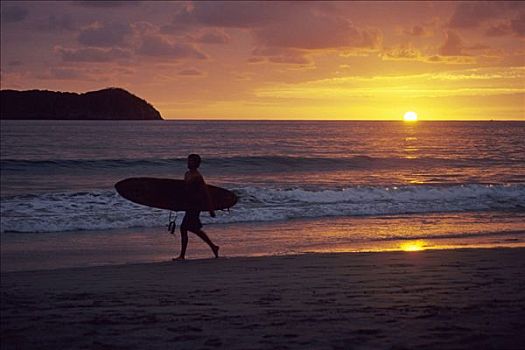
(58, 176)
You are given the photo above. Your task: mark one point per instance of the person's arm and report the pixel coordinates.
(209, 201)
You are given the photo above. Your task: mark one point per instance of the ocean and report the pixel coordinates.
(303, 186)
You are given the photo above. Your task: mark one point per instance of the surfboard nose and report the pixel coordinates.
(119, 186)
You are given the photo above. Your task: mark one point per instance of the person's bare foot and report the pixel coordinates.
(216, 251)
(179, 258)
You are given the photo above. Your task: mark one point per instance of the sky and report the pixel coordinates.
(277, 60)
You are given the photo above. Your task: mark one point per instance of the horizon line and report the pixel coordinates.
(279, 120)
(346, 120)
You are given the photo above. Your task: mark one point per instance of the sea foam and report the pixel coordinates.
(105, 209)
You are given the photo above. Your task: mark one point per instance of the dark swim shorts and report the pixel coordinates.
(191, 221)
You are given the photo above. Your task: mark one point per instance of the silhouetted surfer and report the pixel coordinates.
(198, 194)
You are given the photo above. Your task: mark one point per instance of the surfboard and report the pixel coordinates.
(171, 194)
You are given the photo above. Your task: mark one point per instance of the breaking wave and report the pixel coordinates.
(105, 209)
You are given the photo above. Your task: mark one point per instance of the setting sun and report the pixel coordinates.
(410, 117)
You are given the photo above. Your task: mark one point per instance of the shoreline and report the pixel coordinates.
(42, 251)
(408, 250)
(433, 299)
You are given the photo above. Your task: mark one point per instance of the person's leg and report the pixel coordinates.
(202, 235)
(183, 243)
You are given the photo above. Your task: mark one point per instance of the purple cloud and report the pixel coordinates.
(105, 35)
(473, 14)
(290, 25)
(59, 23)
(235, 14)
(92, 54)
(107, 3)
(63, 74)
(213, 37)
(316, 33)
(156, 45)
(13, 14)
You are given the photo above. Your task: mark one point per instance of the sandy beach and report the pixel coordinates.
(435, 299)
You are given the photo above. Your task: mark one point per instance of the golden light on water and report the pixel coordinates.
(410, 117)
(412, 246)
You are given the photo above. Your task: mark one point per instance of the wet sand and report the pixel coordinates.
(436, 299)
(72, 249)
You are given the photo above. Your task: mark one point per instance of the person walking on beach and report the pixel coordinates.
(199, 194)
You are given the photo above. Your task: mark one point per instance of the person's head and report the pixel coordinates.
(194, 160)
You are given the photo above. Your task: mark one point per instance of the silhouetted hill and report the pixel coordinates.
(106, 104)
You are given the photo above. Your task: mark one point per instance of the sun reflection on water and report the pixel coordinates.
(412, 246)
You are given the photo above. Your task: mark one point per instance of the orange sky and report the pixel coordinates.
(277, 60)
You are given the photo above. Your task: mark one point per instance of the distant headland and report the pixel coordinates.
(105, 104)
